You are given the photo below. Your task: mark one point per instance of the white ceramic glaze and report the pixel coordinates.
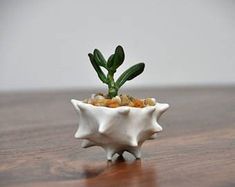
(117, 129)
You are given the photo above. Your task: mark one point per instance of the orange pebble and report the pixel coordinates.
(111, 103)
(138, 103)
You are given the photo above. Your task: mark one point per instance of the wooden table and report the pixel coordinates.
(196, 147)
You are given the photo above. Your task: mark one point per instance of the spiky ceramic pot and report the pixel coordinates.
(117, 129)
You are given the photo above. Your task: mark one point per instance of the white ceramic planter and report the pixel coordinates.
(117, 129)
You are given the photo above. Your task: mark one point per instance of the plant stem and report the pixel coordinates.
(113, 90)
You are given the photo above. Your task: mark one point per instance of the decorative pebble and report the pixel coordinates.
(117, 99)
(100, 99)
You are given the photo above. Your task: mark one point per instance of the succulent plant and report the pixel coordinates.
(111, 65)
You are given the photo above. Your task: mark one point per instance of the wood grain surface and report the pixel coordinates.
(196, 147)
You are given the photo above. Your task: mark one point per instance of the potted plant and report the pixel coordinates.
(116, 122)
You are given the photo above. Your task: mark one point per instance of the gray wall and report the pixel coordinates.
(44, 43)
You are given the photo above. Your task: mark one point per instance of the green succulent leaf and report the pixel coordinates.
(130, 73)
(110, 61)
(118, 58)
(99, 58)
(99, 71)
